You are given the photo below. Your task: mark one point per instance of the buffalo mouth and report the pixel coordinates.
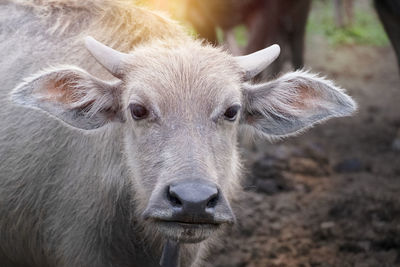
(187, 232)
(187, 227)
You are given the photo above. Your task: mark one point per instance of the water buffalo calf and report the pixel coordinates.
(108, 153)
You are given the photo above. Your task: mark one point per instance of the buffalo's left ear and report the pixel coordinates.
(292, 103)
(73, 96)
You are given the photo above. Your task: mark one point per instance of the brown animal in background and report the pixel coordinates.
(389, 14)
(268, 22)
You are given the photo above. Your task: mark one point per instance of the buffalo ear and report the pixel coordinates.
(73, 96)
(293, 103)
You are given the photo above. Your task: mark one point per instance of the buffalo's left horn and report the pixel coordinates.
(256, 62)
(111, 59)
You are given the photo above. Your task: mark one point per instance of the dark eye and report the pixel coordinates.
(138, 111)
(231, 113)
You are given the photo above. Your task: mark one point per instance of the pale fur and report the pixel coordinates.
(80, 163)
(278, 101)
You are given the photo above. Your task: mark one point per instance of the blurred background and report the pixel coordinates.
(330, 197)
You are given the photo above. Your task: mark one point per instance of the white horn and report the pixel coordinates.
(256, 62)
(111, 59)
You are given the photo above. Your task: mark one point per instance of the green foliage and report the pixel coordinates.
(240, 33)
(366, 28)
(220, 35)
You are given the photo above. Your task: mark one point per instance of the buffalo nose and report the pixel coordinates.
(193, 197)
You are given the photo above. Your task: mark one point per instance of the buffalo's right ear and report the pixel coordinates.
(73, 96)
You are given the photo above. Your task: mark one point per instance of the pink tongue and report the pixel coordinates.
(170, 254)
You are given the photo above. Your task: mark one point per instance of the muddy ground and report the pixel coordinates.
(330, 197)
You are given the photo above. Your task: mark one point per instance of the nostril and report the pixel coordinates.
(212, 202)
(173, 199)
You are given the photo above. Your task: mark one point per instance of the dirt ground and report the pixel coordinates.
(329, 197)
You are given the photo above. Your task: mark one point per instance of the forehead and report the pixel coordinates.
(191, 74)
